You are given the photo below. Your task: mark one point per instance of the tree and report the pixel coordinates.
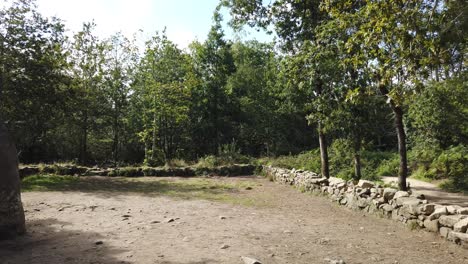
(213, 64)
(121, 58)
(87, 59)
(394, 39)
(161, 89)
(295, 23)
(32, 65)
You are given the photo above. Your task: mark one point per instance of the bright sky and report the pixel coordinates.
(186, 20)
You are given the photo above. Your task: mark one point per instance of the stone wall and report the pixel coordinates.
(451, 222)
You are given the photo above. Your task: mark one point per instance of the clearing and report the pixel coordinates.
(206, 220)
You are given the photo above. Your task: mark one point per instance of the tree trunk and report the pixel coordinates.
(357, 158)
(400, 129)
(12, 220)
(323, 153)
(403, 170)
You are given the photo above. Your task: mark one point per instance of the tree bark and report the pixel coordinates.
(357, 158)
(403, 170)
(323, 153)
(400, 129)
(12, 221)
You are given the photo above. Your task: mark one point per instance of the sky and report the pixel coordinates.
(185, 20)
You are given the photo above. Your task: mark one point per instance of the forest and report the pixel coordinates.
(350, 89)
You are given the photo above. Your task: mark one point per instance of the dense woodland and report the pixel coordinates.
(356, 88)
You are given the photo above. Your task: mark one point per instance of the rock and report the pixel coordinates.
(387, 208)
(461, 226)
(438, 212)
(444, 231)
(400, 194)
(224, 246)
(410, 201)
(408, 212)
(389, 193)
(248, 188)
(431, 225)
(98, 243)
(458, 237)
(365, 184)
(335, 261)
(452, 209)
(343, 201)
(155, 222)
(248, 260)
(428, 209)
(463, 211)
(170, 220)
(126, 216)
(362, 203)
(222, 217)
(420, 196)
(450, 220)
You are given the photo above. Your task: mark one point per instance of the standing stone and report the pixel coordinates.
(12, 220)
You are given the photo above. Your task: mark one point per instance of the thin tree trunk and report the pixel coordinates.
(403, 170)
(323, 152)
(357, 158)
(398, 112)
(84, 140)
(12, 222)
(153, 145)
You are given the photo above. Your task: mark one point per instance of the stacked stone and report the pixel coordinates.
(451, 222)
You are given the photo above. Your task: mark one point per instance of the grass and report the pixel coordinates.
(219, 190)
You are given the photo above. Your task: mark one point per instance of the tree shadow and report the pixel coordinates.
(183, 188)
(53, 242)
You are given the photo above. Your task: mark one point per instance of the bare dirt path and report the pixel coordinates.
(114, 222)
(432, 192)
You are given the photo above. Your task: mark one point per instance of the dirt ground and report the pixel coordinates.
(107, 220)
(433, 193)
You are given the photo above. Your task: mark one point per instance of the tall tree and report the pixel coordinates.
(87, 59)
(162, 91)
(121, 58)
(295, 22)
(395, 39)
(213, 65)
(32, 76)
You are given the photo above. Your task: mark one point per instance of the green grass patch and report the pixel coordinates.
(233, 191)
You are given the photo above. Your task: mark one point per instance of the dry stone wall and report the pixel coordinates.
(451, 222)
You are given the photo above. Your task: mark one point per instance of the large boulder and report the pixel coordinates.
(12, 220)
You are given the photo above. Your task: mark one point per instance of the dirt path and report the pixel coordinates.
(273, 223)
(432, 192)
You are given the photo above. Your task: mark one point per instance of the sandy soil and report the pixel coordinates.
(282, 225)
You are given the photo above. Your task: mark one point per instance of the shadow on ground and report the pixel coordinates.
(183, 188)
(51, 241)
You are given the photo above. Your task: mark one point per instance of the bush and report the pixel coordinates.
(388, 167)
(309, 160)
(229, 154)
